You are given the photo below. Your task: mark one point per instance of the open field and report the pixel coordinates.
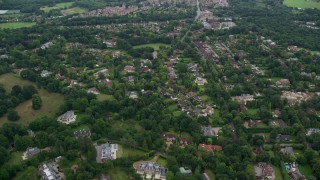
(210, 174)
(118, 174)
(277, 173)
(305, 170)
(155, 46)
(57, 6)
(104, 97)
(75, 10)
(50, 101)
(16, 25)
(125, 151)
(305, 4)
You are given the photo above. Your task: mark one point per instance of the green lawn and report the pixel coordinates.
(125, 151)
(75, 10)
(50, 101)
(302, 3)
(28, 173)
(210, 174)
(277, 173)
(155, 46)
(57, 6)
(162, 161)
(15, 158)
(104, 97)
(16, 25)
(118, 174)
(305, 170)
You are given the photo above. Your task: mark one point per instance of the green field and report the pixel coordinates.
(305, 170)
(277, 173)
(210, 174)
(118, 174)
(75, 10)
(57, 6)
(302, 4)
(104, 97)
(125, 151)
(155, 46)
(162, 161)
(16, 25)
(50, 101)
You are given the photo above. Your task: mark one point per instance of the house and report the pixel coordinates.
(45, 73)
(184, 141)
(93, 90)
(287, 151)
(116, 54)
(133, 95)
(283, 83)
(185, 171)
(200, 81)
(313, 131)
(82, 133)
(51, 171)
(150, 170)
(243, 108)
(130, 79)
(68, 117)
(30, 152)
(264, 171)
(129, 69)
(210, 148)
(154, 54)
(103, 72)
(58, 76)
(208, 110)
(283, 137)
(46, 45)
(109, 151)
(276, 113)
(107, 82)
(210, 131)
(110, 44)
(243, 98)
(292, 48)
(294, 172)
(169, 137)
(4, 56)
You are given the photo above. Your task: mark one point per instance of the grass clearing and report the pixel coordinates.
(75, 10)
(210, 174)
(16, 25)
(162, 161)
(118, 174)
(104, 97)
(155, 46)
(125, 151)
(27, 173)
(50, 101)
(305, 170)
(277, 173)
(62, 5)
(305, 4)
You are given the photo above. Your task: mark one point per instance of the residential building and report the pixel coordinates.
(93, 90)
(129, 69)
(283, 137)
(109, 151)
(169, 137)
(283, 83)
(68, 117)
(185, 171)
(210, 148)
(313, 131)
(103, 72)
(151, 170)
(184, 141)
(287, 151)
(82, 133)
(200, 81)
(264, 171)
(133, 95)
(30, 152)
(51, 171)
(45, 73)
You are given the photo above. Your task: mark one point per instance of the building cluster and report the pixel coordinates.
(296, 97)
(243, 98)
(264, 171)
(207, 52)
(111, 11)
(193, 67)
(51, 170)
(150, 170)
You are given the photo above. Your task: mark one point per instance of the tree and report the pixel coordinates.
(13, 115)
(36, 102)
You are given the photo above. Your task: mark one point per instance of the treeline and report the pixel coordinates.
(17, 95)
(27, 6)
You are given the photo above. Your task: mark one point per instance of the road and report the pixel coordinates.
(195, 19)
